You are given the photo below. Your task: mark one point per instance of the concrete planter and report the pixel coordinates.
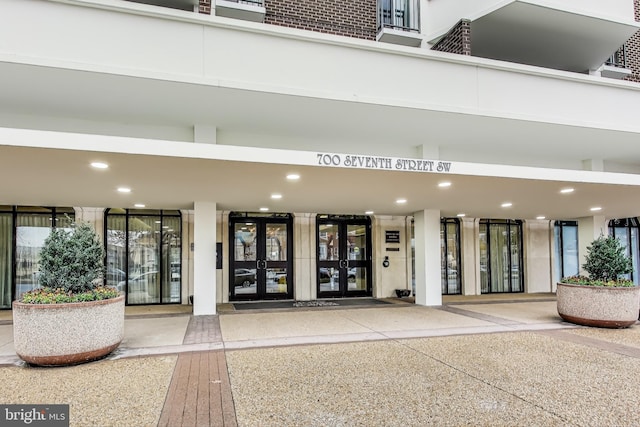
(67, 334)
(598, 306)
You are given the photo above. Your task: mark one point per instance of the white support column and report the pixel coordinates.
(94, 216)
(304, 263)
(537, 256)
(589, 229)
(469, 251)
(427, 247)
(204, 258)
(205, 134)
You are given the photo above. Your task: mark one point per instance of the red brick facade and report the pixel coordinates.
(633, 50)
(204, 6)
(457, 40)
(351, 18)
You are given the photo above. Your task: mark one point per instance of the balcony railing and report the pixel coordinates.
(618, 59)
(249, 2)
(402, 15)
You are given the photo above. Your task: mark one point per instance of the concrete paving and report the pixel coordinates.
(473, 361)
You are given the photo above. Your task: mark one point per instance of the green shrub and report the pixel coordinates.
(607, 260)
(71, 261)
(58, 296)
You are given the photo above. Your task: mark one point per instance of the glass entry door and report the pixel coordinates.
(501, 256)
(261, 255)
(344, 257)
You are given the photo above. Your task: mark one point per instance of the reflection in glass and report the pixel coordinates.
(276, 242)
(171, 255)
(329, 279)
(626, 231)
(356, 242)
(357, 279)
(144, 257)
(500, 254)
(6, 253)
(244, 281)
(245, 241)
(449, 254)
(276, 280)
(329, 248)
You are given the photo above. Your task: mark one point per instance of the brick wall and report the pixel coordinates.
(633, 50)
(204, 6)
(457, 40)
(351, 18)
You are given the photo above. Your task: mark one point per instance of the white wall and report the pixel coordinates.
(537, 256)
(387, 279)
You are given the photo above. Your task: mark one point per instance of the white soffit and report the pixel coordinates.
(531, 34)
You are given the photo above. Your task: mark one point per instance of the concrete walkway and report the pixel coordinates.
(473, 361)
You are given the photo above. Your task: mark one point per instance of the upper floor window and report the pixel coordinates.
(403, 15)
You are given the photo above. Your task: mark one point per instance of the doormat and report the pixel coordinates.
(350, 302)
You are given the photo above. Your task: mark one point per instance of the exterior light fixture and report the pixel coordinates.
(276, 196)
(507, 205)
(368, 212)
(264, 209)
(460, 215)
(541, 217)
(595, 209)
(139, 205)
(444, 184)
(293, 177)
(567, 190)
(401, 201)
(124, 190)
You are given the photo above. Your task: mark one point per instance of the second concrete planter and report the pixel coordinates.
(600, 306)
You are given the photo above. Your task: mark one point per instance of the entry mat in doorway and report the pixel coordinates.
(348, 302)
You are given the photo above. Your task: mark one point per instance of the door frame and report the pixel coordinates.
(261, 264)
(343, 264)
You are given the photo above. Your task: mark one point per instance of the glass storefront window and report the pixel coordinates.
(501, 256)
(144, 254)
(6, 256)
(626, 230)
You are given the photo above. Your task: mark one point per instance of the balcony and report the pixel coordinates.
(569, 35)
(616, 66)
(188, 5)
(399, 22)
(247, 10)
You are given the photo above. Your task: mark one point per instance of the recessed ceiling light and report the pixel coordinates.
(444, 184)
(139, 205)
(567, 190)
(507, 205)
(99, 165)
(368, 212)
(124, 190)
(596, 208)
(460, 215)
(264, 209)
(401, 201)
(293, 177)
(157, 222)
(276, 196)
(541, 217)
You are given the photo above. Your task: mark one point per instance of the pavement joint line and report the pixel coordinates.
(599, 344)
(480, 316)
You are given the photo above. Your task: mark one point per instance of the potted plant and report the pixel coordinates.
(604, 298)
(71, 318)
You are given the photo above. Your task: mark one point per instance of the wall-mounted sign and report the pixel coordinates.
(392, 236)
(384, 163)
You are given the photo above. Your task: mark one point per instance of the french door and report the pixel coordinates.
(344, 256)
(260, 258)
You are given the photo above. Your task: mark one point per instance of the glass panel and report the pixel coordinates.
(516, 282)
(328, 242)
(171, 259)
(634, 253)
(245, 241)
(622, 234)
(499, 258)
(276, 242)
(356, 242)
(144, 260)
(443, 259)
(557, 247)
(116, 252)
(244, 281)
(484, 259)
(6, 249)
(570, 260)
(453, 284)
(357, 279)
(31, 232)
(276, 280)
(329, 279)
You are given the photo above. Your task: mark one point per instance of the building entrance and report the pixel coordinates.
(344, 256)
(260, 257)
